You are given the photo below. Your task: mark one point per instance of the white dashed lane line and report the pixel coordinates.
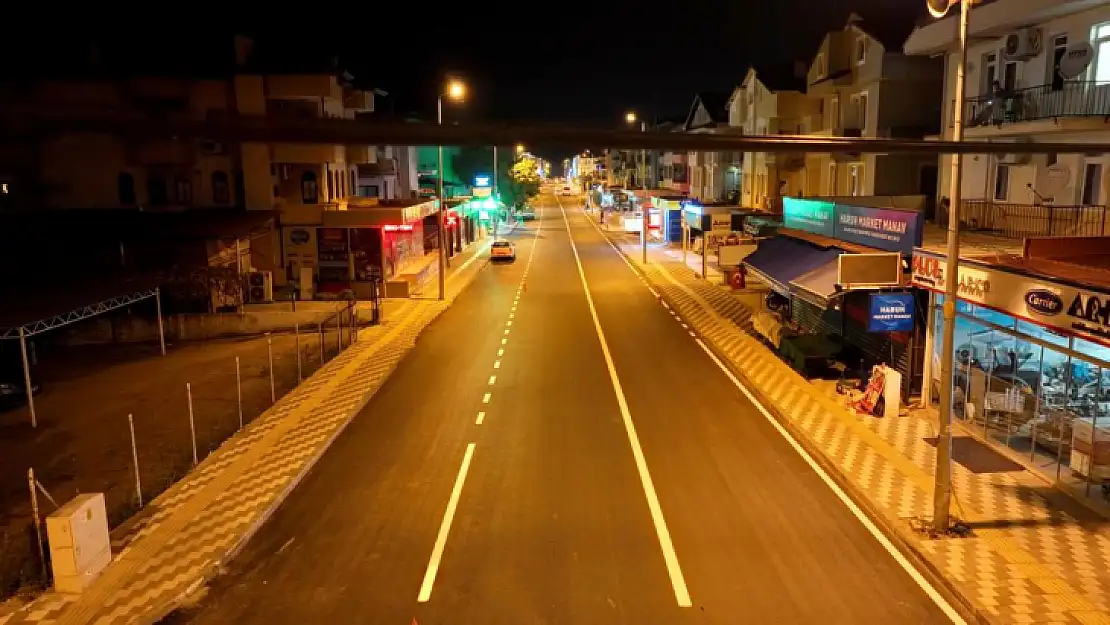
(481, 417)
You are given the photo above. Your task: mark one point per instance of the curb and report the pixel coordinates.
(906, 545)
(160, 613)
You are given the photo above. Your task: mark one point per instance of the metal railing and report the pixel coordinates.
(1068, 99)
(1028, 220)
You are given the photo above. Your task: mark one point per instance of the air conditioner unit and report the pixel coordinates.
(1023, 44)
(260, 287)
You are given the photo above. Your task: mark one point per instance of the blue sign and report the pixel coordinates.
(886, 229)
(809, 215)
(481, 181)
(890, 312)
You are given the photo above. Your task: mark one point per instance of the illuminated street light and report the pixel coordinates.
(520, 148)
(630, 117)
(456, 90)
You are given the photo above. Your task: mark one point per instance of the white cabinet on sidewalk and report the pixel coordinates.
(79, 545)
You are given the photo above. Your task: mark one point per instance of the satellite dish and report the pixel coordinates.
(937, 8)
(1052, 180)
(1077, 58)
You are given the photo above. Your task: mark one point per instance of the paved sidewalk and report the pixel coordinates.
(188, 533)
(1034, 555)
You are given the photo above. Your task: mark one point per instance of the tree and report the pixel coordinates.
(515, 189)
(523, 181)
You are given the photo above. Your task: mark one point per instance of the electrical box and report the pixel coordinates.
(79, 545)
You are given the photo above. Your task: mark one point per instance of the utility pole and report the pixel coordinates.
(442, 209)
(942, 488)
(496, 199)
(647, 211)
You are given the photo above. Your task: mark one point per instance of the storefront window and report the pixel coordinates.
(1044, 395)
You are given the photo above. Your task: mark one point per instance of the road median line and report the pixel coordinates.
(888, 527)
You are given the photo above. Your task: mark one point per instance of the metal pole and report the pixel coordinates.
(704, 255)
(496, 209)
(192, 422)
(37, 521)
(297, 339)
(27, 376)
(685, 239)
(930, 348)
(135, 458)
(643, 185)
(270, 356)
(442, 207)
(161, 328)
(239, 392)
(942, 489)
(339, 329)
(320, 330)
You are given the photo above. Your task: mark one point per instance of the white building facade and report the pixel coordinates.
(1020, 88)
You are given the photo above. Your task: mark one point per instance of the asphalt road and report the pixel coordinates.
(573, 508)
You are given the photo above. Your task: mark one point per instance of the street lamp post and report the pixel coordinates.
(456, 90)
(496, 199)
(942, 488)
(630, 117)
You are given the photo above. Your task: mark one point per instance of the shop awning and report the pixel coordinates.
(818, 287)
(780, 260)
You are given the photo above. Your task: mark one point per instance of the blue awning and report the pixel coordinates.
(779, 260)
(818, 287)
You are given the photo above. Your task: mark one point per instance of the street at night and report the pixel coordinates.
(591, 494)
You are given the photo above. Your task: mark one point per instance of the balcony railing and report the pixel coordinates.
(1029, 220)
(1069, 99)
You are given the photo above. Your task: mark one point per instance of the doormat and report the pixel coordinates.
(977, 457)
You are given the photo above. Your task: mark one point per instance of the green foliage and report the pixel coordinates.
(514, 183)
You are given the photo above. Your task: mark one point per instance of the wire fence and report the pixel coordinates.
(161, 436)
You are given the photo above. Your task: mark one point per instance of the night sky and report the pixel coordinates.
(648, 56)
(580, 62)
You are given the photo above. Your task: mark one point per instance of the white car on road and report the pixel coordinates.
(502, 250)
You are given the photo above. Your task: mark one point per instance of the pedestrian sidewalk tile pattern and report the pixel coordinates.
(1026, 562)
(190, 530)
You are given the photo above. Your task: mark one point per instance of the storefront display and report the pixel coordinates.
(334, 259)
(1028, 336)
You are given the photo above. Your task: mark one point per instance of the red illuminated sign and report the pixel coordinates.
(397, 227)
(452, 221)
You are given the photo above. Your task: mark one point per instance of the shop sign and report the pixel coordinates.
(1044, 302)
(720, 222)
(885, 229)
(1090, 313)
(809, 215)
(890, 312)
(1064, 307)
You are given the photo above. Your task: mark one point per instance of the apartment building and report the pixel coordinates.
(867, 88)
(1038, 70)
(771, 103)
(307, 195)
(709, 171)
(74, 171)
